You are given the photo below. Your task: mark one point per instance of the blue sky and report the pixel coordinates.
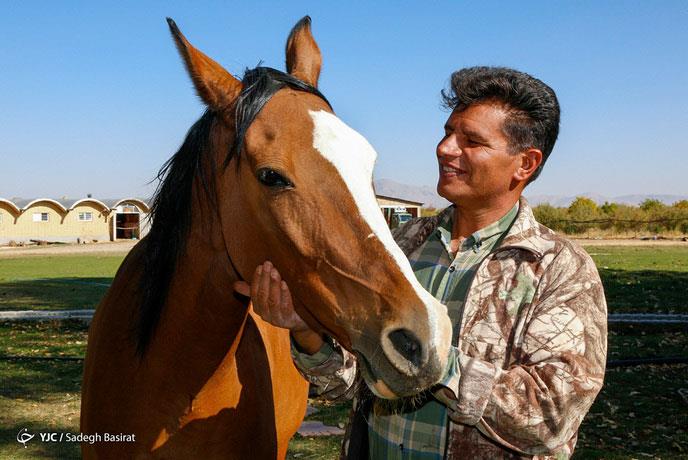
(94, 97)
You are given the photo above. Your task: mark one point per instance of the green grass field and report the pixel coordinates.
(56, 282)
(644, 278)
(639, 413)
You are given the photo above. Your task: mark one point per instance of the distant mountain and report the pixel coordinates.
(561, 201)
(637, 199)
(430, 199)
(423, 193)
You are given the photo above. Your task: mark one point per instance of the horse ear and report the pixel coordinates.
(303, 55)
(217, 87)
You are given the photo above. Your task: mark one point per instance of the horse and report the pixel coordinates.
(177, 364)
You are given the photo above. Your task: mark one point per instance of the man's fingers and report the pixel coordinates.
(297, 323)
(263, 294)
(275, 292)
(243, 288)
(255, 284)
(286, 301)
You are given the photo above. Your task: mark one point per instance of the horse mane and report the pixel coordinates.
(170, 213)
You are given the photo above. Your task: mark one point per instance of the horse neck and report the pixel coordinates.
(203, 316)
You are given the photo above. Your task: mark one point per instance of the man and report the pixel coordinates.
(527, 306)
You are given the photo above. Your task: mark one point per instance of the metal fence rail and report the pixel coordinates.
(613, 318)
(647, 318)
(42, 315)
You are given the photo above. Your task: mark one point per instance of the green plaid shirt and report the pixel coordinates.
(420, 432)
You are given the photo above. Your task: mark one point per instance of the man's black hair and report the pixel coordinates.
(533, 109)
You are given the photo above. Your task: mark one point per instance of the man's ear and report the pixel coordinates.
(531, 160)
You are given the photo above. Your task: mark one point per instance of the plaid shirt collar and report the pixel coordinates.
(476, 239)
(525, 233)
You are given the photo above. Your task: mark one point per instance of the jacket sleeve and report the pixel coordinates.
(537, 405)
(332, 369)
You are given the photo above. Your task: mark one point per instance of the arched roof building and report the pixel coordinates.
(72, 220)
(91, 219)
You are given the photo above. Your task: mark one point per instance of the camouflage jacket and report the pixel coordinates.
(532, 349)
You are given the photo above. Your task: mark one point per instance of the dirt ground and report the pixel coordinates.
(125, 246)
(628, 242)
(116, 247)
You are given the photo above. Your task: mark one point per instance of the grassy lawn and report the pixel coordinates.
(639, 413)
(636, 279)
(40, 395)
(56, 282)
(644, 279)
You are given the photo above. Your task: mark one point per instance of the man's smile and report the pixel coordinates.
(450, 171)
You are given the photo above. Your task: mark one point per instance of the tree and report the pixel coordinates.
(427, 212)
(656, 211)
(609, 208)
(679, 211)
(582, 210)
(650, 204)
(627, 218)
(683, 204)
(551, 217)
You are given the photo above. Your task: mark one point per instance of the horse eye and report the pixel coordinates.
(272, 178)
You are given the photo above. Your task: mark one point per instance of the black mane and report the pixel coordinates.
(171, 209)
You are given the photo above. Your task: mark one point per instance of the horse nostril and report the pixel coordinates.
(407, 345)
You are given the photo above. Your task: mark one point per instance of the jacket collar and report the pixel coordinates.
(525, 233)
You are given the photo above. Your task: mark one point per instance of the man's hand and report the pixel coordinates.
(272, 301)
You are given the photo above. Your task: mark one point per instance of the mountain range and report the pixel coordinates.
(430, 199)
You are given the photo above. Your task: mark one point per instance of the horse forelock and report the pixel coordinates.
(258, 87)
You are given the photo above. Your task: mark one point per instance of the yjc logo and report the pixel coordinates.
(24, 436)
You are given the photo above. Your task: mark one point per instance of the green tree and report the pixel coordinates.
(609, 208)
(683, 204)
(679, 211)
(549, 216)
(582, 210)
(428, 212)
(627, 218)
(658, 215)
(650, 204)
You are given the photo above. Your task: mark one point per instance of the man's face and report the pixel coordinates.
(475, 165)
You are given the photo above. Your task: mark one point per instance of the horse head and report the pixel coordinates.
(292, 183)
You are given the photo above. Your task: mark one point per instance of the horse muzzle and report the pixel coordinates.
(406, 358)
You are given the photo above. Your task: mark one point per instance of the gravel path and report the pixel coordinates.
(114, 247)
(628, 242)
(119, 247)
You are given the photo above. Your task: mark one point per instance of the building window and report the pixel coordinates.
(40, 217)
(86, 216)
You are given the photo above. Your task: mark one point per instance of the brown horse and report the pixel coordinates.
(268, 172)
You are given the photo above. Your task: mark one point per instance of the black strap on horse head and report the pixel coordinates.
(231, 262)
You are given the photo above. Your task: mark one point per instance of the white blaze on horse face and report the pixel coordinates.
(354, 158)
